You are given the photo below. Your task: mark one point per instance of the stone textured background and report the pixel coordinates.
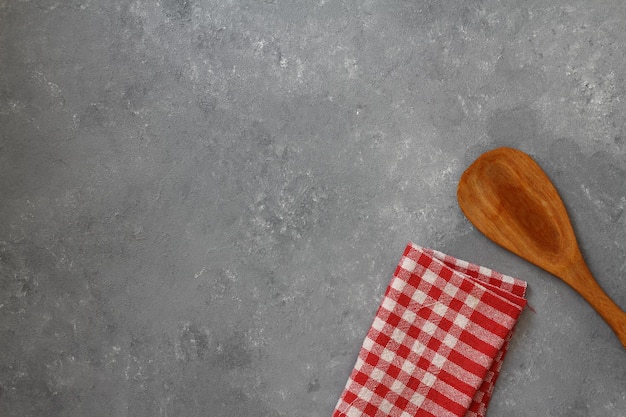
(202, 202)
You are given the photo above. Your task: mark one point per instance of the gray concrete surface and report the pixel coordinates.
(203, 201)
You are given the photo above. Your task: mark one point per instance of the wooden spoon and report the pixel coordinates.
(509, 198)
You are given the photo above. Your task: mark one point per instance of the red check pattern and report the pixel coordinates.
(437, 342)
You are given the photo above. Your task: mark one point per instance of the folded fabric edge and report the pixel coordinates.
(507, 287)
(415, 257)
(485, 274)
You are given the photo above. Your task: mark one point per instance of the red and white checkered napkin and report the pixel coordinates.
(438, 340)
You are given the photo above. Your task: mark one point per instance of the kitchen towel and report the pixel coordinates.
(437, 342)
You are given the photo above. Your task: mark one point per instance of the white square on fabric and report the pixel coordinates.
(419, 296)
(450, 289)
(429, 379)
(354, 412)
(429, 328)
(366, 394)
(398, 335)
(387, 355)
(508, 279)
(368, 344)
(397, 386)
(440, 309)
(408, 264)
(429, 276)
(484, 271)
(450, 341)
(359, 363)
(461, 321)
(461, 264)
(438, 360)
(471, 301)
(409, 316)
(385, 406)
(398, 284)
(417, 399)
(389, 304)
(408, 367)
(418, 347)
(377, 374)
(378, 324)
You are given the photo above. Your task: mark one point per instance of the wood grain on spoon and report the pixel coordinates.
(509, 198)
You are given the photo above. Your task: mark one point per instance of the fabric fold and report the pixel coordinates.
(436, 345)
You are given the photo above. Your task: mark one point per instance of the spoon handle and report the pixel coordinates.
(580, 278)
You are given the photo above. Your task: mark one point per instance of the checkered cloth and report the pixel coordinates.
(438, 340)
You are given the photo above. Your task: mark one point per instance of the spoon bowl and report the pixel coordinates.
(509, 198)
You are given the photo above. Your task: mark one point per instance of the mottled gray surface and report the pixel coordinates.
(203, 201)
